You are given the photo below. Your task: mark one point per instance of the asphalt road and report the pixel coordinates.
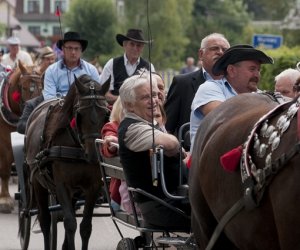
(104, 235)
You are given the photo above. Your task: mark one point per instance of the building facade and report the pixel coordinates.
(39, 17)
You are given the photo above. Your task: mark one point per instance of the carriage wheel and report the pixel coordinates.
(54, 220)
(24, 223)
(126, 244)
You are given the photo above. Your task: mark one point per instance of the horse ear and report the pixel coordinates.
(22, 67)
(105, 86)
(79, 85)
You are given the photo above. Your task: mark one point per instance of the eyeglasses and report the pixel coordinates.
(216, 48)
(76, 49)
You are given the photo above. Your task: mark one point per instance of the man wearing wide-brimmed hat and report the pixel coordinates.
(45, 58)
(122, 67)
(15, 54)
(60, 75)
(240, 66)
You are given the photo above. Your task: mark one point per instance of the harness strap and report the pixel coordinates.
(61, 153)
(236, 208)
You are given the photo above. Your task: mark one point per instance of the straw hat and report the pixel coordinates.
(46, 52)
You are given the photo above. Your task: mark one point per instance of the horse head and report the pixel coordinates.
(88, 112)
(25, 83)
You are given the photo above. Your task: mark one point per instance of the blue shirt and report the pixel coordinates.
(211, 90)
(58, 78)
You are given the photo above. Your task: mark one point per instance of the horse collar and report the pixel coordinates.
(267, 137)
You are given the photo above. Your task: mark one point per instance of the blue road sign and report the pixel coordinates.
(267, 41)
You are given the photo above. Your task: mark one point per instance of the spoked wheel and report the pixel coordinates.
(24, 222)
(54, 220)
(126, 244)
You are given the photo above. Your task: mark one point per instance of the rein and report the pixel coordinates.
(93, 105)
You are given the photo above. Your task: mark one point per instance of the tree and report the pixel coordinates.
(228, 17)
(269, 9)
(168, 23)
(96, 21)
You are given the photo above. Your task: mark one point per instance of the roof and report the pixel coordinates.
(27, 39)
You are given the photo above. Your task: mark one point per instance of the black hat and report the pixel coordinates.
(239, 53)
(72, 36)
(133, 35)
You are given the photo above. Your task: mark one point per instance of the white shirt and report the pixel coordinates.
(108, 70)
(23, 56)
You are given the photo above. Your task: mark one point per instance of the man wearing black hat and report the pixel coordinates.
(122, 67)
(240, 66)
(60, 75)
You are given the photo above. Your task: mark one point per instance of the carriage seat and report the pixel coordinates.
(112, 167)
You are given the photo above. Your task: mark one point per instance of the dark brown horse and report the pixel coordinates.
(272, 180)
(62, 158)
(16, 88)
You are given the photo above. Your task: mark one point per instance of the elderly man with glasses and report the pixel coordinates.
(184, 87)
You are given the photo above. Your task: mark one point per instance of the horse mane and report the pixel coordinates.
(15, 75)
(67, 108)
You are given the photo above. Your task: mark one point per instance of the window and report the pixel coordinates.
(35, 30)
(33, 6)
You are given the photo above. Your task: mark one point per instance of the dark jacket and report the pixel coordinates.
(137, 167)
(30, 105)
(179, 99)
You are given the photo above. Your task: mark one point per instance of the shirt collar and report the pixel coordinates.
(63, 65)
(206, 75)
(136, 117)
(126, 61)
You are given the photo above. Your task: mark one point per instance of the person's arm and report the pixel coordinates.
(49, 90)
(139, 137)
(109, 134)
(94, 73)
(205, 109)
(169, 142)
(107, 72)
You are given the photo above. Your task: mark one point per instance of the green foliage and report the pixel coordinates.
(228, 17)
(284, 58)
(2, 29)
(269, 9)
(168, 23)
(96, 21)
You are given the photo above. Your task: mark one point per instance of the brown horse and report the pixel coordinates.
(271, 182)
(16, 88)
(62, 158)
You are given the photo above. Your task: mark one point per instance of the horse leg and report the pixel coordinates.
(70, 223)
(44, 218)
(86, 223)
(6, 159)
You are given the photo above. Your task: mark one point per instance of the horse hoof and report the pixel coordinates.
(6, 205)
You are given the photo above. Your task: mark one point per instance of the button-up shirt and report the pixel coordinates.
(58, 77)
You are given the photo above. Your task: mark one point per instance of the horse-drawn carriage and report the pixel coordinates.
(272, 147)
(60, 167)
